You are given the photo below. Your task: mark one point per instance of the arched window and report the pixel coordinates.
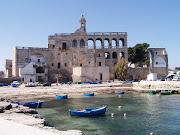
(82, 43)
(74, 44)
(107, 55)
(114, 43)
(121, 42)
(98, 43)
(121, 54)
(106, 43)
(39, 70)
(90, 44)
(114, 55)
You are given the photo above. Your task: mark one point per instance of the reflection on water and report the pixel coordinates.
(144, 114)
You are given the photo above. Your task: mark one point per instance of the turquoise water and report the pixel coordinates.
(144, 114)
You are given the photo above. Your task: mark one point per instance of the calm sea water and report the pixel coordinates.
(144, 114)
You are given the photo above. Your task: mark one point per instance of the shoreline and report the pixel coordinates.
(34, 121)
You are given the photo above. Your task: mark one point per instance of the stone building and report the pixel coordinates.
(158, 61)
(8, 68)
(80, 56)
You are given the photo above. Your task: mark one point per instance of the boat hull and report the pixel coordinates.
(88, 112)
(31, 104)
(61, 96)
(165, 93)
(119, 92)
(88, 94)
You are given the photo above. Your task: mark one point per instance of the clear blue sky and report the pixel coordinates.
(29, 22)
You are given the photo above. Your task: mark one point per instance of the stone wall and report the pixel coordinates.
(138, 73)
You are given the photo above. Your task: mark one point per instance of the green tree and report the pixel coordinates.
(120, 69)
(138, 54)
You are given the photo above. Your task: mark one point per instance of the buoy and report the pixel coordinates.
(151, 133)
(119, 96)
(112, 114)
(124, 114)
(119, 106)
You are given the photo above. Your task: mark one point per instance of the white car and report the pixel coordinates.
(176, 78)
(16, 82)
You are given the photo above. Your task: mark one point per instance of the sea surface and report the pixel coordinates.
(145, 113)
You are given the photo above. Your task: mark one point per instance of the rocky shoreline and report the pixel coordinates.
(11, 112)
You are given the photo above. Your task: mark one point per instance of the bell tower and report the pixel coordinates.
(82, 23)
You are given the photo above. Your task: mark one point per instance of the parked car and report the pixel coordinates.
(176, 78)
(16, 82)
(131, 80)
(161, 79)
(47, 84)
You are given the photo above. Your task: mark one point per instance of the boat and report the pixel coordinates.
(88, 112)
(119, 92)
(31, 104)
(152, 92)
(165, 93)
(14, 85)
(88, 94)
(62, 96)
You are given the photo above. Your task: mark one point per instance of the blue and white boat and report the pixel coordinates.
(62, 96)
(31, 104)
(88, 112)
(119, 92)
(88, 94)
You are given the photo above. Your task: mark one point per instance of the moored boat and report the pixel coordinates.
(31, 104)
(152, 92)
(89, 111)
(88, 94)
(165, 93)
(62, 96)
(119, 92)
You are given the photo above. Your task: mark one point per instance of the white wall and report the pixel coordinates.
(161, 62)
(34, 58)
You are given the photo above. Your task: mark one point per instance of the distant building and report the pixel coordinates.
(158, 61)
(80, 56)
(8, 68)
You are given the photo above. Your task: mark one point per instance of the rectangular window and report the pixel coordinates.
(59, 65)
(100, 76)
(64, 46)
(52, 64)
(65, 64)
(99, 63)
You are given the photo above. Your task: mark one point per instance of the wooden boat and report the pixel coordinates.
(165, 93)
(31, 104)
(119, 92)
(62, 96)
(152, 92)
(88, 112)
(88, 94)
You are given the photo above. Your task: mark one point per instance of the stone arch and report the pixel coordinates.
(106, 43)
(121, 55)
(90, 43)
(40, 70)
(82, 43)
(74, 43)
(98, 43)
(37, 57)
(114, 43)
(159, 62)
(107, 55)
(114, 55)
(121, 42)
